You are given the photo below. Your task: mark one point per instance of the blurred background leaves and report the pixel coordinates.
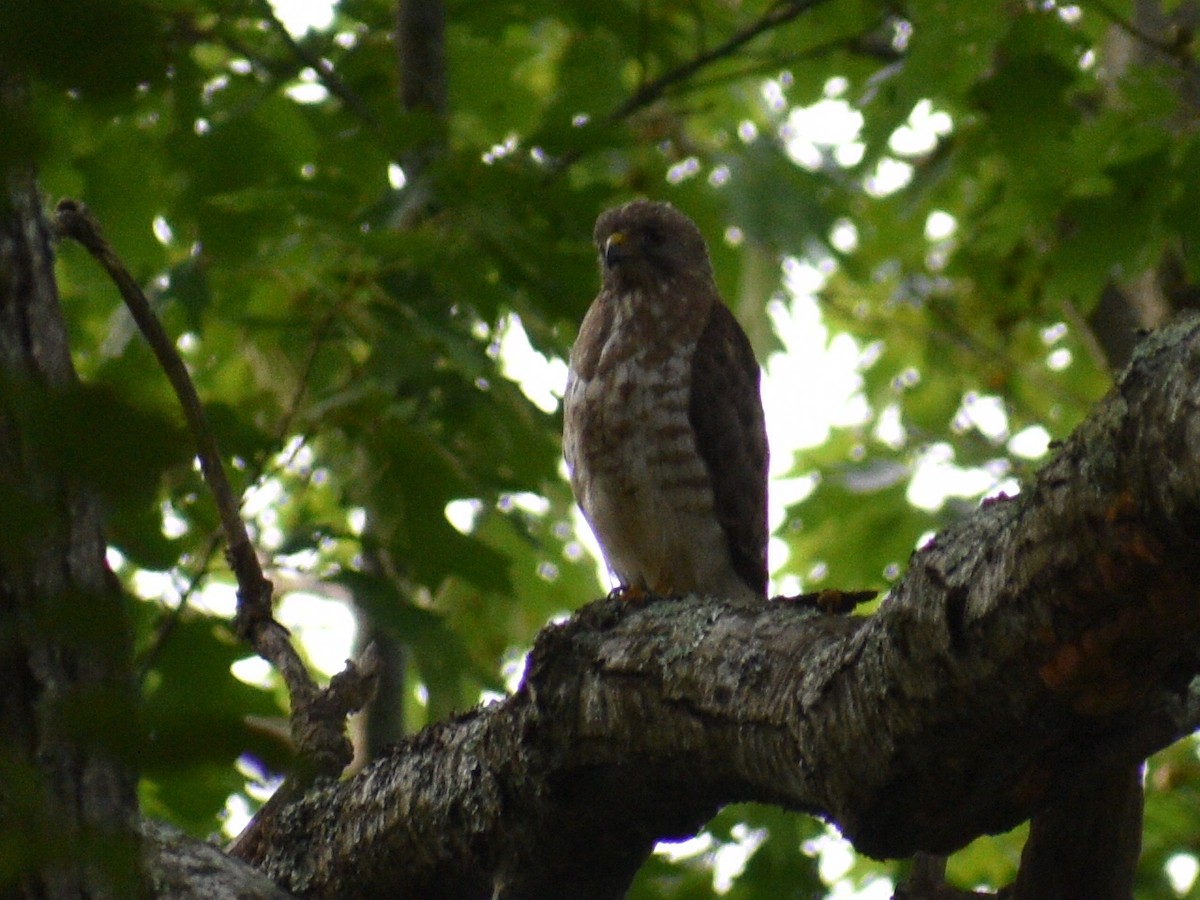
(940, 223)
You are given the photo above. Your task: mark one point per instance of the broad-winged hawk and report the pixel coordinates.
(663, 431)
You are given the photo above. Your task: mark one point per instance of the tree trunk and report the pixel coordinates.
(67, 793)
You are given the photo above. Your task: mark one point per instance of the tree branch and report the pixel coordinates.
(775, 16)
(69, 796)
(75, 221)
(318, 717)
(321, 67)
(424, 91)
(421, 48)
(1045, 635)
(1176, 49)
(185, 868)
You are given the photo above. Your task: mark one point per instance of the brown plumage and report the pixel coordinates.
(663, 431)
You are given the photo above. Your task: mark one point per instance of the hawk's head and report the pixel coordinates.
(649, 245)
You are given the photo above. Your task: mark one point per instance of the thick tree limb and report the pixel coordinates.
(185, 868)
(1043, 636)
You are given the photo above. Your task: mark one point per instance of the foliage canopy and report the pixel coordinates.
(956, 184)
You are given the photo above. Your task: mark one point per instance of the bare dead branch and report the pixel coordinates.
(74, 220)
(318, 718)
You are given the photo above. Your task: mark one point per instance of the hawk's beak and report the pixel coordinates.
(615, 249)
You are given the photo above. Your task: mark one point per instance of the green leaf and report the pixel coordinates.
(116, 447)
(196, 714)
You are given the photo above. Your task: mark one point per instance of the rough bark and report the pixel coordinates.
(184, 868)
(1047, 637)
(67, 796)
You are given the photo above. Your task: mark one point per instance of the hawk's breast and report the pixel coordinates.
(631, 449)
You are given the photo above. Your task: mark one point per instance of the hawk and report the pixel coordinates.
(663, 433)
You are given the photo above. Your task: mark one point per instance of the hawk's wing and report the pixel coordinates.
(725, 411)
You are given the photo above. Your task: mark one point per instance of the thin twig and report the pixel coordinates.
(775, 64)
(75, 221)
(324, 71)
(779, 14)
(292, 410)
(1173, 50)
(650, 91)
(170, 621)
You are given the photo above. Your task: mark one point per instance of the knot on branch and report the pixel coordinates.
(318, 723)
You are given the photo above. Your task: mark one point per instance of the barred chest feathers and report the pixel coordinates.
(631, 450)
(663, 428)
